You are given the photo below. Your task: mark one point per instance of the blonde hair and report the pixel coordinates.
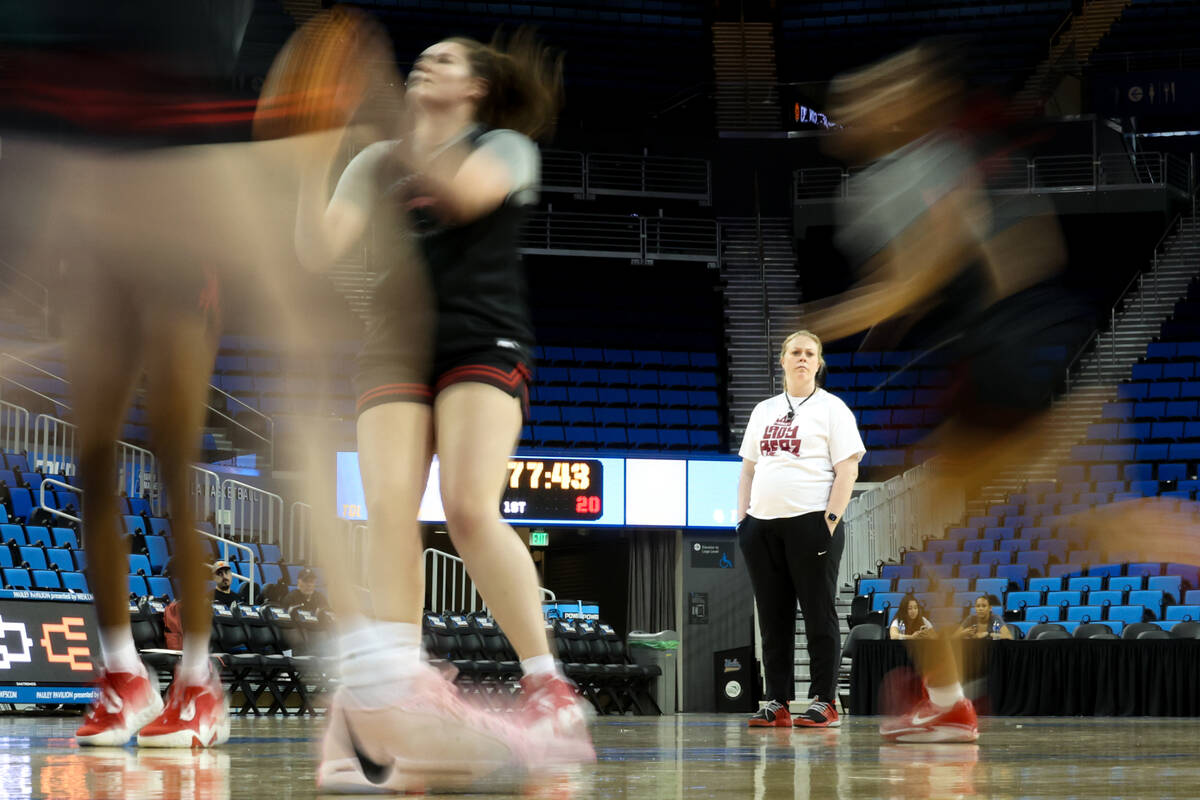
(809, 334)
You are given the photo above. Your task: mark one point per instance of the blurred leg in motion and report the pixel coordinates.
(179, 360)
(104, 353)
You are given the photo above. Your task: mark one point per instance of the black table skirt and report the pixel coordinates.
(1063, 677)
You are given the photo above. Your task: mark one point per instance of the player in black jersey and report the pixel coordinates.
(461, 173)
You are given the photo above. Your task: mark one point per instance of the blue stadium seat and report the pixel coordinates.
(61, 559)
(961, 585)
(1085, 613)
(1035, 532)
(1188, 572)
(704, 440)
(1138, 472)
(1181, 410)
(962, 534)
(982, 522)
(1163, 390)
(1181, 613)
(32, 557)
(1147, 372)
(643, 437)
(1131, 391)
(1017, 521)
(1160, 351)
(882, 601)
(673, 439)
(1053, 547)
(133, 524)
(1015, 601)
(914, 585)
(1126, 583)
(21, 503)
(39, 535)
(16, 578)
(961, 601)
(156, 552)
(1117, 411)
(1191, 597)
(998, 532)
(1087, 452)
(996, 558)
(1016, 574)
(1189, 451)
(649, 358)
(64, 537)
(583, 395)
(1107, 597)
(1085, 584)
(703, 398)
(74, 581)
(611, 437)
(139, 563)
(1016, 545)
(959, 559)
(975, 571)
(577, 415)
(610, 416)
(1127, 615)
(941, 546)
(991, 586)
(1068, 597)
(979, 545)
(873, 585)
(703, 418)
(1104, 570)
(1170, 585)
(1045, 584)
(704, 360)
(139, 505)
(895, 571)
(617, 357)
(938, 572)
(1043, 613)
(917, 557)
(13, 533)
(46, 579)
(1034, 559)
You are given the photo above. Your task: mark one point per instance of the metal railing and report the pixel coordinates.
(899, 513)
(225, 545)
(448, 587)
(53, 445)
(595, 174)
(14, 428)
(299, 544)
(137, 475)
(242, 407)
(206, 494)
(55, 511)
(248, 513)
(1043, 174)
(640, 239)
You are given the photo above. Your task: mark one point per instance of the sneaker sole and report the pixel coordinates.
(834, 724)
(756, 724)
(938, 733)
(345, 776)
(119, 737)
(187, 738)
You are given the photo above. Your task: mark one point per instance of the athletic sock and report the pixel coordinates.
(116, 646)
(194, 668)
(378, 659)
(945, 696)
(541, 665)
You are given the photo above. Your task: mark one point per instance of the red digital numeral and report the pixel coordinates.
(587, 504)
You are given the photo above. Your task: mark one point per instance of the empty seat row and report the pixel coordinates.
(1143, 431)
(608, 396)
(1158, 390)
(1189, 451)
(637, 438)
(620, 417)
(1150, 410)
(617, 357)
(628, 378)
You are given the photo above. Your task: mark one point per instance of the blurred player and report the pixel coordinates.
(462, 172)
(941, 271)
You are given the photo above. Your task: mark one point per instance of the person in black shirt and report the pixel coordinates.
(223, 591)
(305, 595)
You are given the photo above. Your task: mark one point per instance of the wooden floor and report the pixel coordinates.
(686, 756)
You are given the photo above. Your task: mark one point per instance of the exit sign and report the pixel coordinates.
(539, 538)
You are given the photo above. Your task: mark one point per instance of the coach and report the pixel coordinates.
(800, 459)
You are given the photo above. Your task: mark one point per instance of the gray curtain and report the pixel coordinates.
(652, 581)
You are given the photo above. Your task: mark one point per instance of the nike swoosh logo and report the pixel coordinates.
(373, 771)
(823, 552)
(919, 720)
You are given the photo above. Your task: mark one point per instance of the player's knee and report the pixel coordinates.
(468, 517)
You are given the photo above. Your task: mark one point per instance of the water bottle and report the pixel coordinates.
(996, 626)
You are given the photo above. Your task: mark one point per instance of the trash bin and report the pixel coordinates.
(660, 650)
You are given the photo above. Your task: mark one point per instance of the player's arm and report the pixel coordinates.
(913, 266)
(745, 479)
(326, 228)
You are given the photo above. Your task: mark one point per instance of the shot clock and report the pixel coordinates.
(556, 489)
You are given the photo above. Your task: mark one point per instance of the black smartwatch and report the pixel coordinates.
(832, 517)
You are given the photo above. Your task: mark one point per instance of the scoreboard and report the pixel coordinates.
(49, 648)
(585, 489)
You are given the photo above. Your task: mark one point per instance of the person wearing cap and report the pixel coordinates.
(223, 592)
(305, 595)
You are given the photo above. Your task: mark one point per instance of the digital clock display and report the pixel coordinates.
(553, 489)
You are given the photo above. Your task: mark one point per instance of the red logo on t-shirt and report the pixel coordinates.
(780, 435)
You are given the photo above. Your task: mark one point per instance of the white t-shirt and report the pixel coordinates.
(793, 470)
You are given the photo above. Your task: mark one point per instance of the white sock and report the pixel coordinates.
(116, 646)
(194, 666)
(945, 696)
(378, 659)
(540, 665)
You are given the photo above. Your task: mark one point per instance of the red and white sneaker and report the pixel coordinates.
(430, 740)
(772, 715)
(196, 715)
(126, 702)
(928, 723)
(557, 718)
(819, 715)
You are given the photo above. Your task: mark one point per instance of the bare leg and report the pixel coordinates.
(477, 429)
(394, 444)
(178, 366)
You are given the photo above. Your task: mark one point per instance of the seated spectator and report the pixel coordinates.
(276, 593)
(909, 622)
(306, 596)
(223, 575)
(984, 624)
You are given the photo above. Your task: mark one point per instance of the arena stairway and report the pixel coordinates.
(753, 338)
(1136, 322)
